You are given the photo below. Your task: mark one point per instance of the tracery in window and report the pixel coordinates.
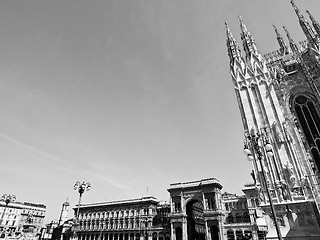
(310, 124)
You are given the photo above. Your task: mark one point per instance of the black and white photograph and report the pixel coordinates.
(159, 120)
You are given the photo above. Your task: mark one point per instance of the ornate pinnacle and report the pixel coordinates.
(233, 48)
(315, 23)
(283, 47)
(307, 29)
(293, 45)
(296, 9)
(247, 39)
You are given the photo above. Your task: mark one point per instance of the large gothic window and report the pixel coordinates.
(310, 123)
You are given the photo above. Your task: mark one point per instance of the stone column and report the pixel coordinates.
(221, 233)
(204, 202)
(171, 205)
(173, 232)
(217, 199)
(184, 229)
(207, 230)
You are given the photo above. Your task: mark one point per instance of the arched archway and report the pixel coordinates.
(161, 237)
(131, 236)
(230, 234)
(137, 236)
(239, 234)
(214, 230)
(195, 220)
(178, 233)
(154, 236)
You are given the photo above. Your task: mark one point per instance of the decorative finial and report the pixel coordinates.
(315, 23)
(247, 39)
(243, 26)
(233, 48)
(293, 45)
(283, 47)
(240, 19)
(297, 10)
(275, 29)
(306, 28)
(228, 29)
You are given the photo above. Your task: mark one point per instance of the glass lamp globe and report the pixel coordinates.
(268, 147)
(250, 157)
(270, 153)
(246, 151)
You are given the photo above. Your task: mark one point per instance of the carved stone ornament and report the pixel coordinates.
(286, 130)
(277, 133)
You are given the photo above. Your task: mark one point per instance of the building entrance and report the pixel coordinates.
(196, 210)
(195, 221)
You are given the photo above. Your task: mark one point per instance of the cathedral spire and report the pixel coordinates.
(233, 48)
(247, 39)
(293, 45)
(315, 23)
(307, 29)
(283, 46)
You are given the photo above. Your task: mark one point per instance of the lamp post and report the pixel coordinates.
(7, 198)
(81, 187)
(252, 141)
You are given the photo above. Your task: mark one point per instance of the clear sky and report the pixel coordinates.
(129, 95)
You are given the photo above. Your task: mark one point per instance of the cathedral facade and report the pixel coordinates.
(279, 100)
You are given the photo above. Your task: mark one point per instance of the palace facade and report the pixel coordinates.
(141, 218)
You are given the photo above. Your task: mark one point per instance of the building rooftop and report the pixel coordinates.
(203, 182)
(121, 202)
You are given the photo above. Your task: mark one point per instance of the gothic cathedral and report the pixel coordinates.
(279, 100)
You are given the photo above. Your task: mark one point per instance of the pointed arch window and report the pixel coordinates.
(310, 123)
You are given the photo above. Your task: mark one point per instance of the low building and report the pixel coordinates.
(21, 219)
(244, 219)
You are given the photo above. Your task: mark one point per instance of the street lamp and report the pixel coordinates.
(252, 142)
(7, 198)
(81, 187)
